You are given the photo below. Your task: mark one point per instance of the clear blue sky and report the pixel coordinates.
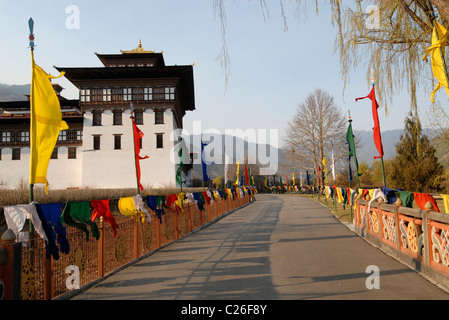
(271, 70)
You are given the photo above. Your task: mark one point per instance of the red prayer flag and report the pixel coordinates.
(422, 198)
(102, 209)
(246, 176)
(377, 137)
(137, 136)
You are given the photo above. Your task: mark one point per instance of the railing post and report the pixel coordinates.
(101, 249)
(158, 233)
(177, 215)
(397, 226)
(136, 238)
(427, 241)
(10, 267)
(48, 277)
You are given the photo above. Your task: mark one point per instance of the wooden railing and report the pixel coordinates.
(46, 279)
(418, 238)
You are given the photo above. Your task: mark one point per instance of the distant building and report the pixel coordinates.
(97, 150)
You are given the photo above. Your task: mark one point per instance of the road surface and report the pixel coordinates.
(281, 247)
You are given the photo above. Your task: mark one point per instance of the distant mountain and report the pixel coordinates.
(14, 92)
(366, 150)
(262, 155)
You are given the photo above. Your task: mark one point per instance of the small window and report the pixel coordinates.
(170, 93)
(15, 154)
(96, 118)
(96, 142)
(54, 155)
(138, 117)
(107, 95)
(117, 141)
(148, 93)
(6, 136)
(127, 94)
(85, 95)
(159, 117)
(159, 140)
(117, 118)
(72, 153)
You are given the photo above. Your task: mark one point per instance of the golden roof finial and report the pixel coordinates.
(139, 49)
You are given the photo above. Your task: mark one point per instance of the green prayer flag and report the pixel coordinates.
(352, 153)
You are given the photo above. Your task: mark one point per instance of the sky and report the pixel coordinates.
(271, 71)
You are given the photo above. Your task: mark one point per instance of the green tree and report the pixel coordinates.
(366, 179)
(415, 166)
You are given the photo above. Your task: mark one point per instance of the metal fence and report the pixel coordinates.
(46, 279)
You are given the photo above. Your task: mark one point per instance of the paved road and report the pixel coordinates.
(279, 248)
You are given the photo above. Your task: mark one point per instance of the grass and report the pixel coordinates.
(21, 196)
(342, 213)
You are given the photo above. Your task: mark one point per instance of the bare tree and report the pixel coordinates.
(317, 124)
(394, 48)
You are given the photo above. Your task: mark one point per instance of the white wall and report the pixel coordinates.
(109, 168)
(62, 173)
(104, 168)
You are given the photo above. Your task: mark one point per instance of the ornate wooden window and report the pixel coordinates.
(138, 94)
(107, 95)
(127, 94)
(96, 95)
(170, 93)
(70, 136)
(5, 136)
(158, 93)
(117, 94)
(85, 95)
(147, 94)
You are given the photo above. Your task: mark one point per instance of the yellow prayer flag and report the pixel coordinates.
(238, 169)
(325, 167)
(46, 123)
(436, 51)
(446, 202)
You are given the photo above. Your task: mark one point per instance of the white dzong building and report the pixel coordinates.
(98, 150)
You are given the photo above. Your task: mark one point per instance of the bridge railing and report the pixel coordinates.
(418, 238)
(46, 279)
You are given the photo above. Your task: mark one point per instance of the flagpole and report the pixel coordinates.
(134, 147)
(382, 157)
(31, 38)
(354, 154)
